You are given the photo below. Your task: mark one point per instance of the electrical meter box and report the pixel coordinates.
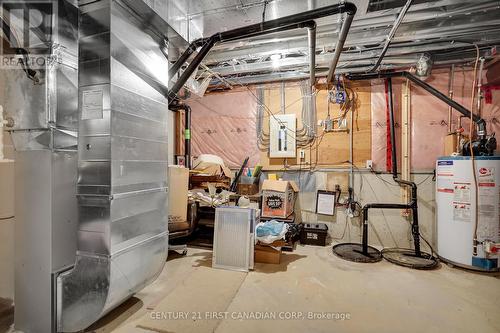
(282, 130)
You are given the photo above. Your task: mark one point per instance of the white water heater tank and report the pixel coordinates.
(456, 211)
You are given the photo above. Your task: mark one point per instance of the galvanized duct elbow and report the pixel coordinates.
(122, 164)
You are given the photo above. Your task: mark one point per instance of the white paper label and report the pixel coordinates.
(325, 204)
(92, 104)
(462, 192)
(445, 168)
(461, 212)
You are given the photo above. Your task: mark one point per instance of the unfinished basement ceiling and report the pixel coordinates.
(447, 29)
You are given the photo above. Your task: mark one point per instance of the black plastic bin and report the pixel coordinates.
(314, 234)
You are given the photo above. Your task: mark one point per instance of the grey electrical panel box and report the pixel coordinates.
(282, 130)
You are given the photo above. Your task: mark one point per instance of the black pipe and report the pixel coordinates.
(463, 110)
(364, 241)
(366, 207)
(347, 7)
(207, 46)
(184, 57)
(413, 204)
(284, 23)
(413, 200)
(187, 130)
(210, 42)
(305, 24)
(187, 135)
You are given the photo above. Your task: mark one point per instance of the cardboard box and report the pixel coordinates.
(276, 243)
(267, 255)
(278, 198)
(178, 180)
(450, 144)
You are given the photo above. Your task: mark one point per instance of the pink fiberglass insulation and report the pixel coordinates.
(429, 117)
(223, 124)
(380, 120)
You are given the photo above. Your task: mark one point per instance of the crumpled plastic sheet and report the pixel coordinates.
(270, 231)
(208, 200)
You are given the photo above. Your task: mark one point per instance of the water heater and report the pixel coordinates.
(456, 205)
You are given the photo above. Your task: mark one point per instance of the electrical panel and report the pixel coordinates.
(282, 130)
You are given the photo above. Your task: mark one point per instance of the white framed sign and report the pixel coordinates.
(325, 203)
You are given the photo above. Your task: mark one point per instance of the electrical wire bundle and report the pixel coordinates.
(305, 135)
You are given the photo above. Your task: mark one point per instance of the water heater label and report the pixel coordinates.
(445, 168)
(461, 192)
(488, 224)
(486, 177)
(461, 212)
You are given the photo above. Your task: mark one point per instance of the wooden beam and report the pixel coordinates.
(406, 142)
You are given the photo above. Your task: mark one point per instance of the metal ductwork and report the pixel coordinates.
(122, 163)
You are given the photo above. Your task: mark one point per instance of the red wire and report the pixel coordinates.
(388, 149)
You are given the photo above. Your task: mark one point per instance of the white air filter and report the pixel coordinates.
(233, 238)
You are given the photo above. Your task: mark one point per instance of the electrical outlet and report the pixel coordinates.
(328, 124)
(302, 154)
(369, 164)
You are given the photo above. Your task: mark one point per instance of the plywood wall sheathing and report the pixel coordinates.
(333, 149)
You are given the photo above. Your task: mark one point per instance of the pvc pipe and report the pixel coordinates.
(285, 23)
(395, 27)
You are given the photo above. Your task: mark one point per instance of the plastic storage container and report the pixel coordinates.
(314, 234)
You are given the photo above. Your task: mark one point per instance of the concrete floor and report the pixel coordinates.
(377, 297)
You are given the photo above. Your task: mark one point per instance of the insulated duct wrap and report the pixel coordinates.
(122, 164)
